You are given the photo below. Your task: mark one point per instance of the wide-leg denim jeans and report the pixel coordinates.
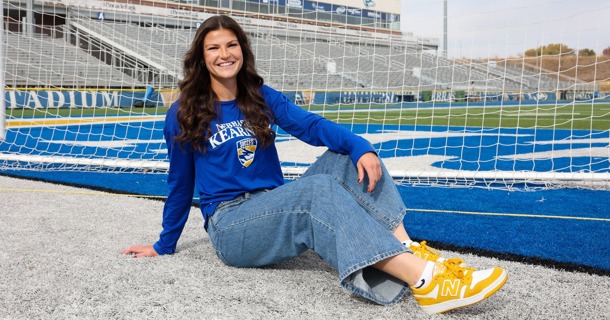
(326, 210)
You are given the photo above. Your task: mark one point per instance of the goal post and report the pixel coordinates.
(86, 88)
(2, 61)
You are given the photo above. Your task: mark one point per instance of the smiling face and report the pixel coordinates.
(223, 56)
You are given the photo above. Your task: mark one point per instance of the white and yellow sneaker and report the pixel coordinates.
(455, 286)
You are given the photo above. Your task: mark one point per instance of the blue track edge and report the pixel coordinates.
(458, 219)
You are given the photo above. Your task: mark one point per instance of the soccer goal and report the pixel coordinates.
(87, 84)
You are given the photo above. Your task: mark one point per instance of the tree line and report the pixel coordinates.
(559, 49)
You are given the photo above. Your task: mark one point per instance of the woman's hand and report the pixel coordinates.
(141, 251)
(369, 163)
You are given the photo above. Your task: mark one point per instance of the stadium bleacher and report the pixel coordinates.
(139, 54)
(42, 60)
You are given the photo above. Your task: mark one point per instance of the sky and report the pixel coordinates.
(496, 28)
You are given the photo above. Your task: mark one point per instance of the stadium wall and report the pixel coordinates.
(15, 99)
(346, 97)
(40, 98)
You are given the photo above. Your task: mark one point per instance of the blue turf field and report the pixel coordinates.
(568, 226)
(476, 150)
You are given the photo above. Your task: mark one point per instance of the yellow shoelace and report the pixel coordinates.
(426, 247)
(454, 265)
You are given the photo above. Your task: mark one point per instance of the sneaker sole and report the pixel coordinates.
(454, 304)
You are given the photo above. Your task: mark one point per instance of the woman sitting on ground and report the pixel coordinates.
(345, 207)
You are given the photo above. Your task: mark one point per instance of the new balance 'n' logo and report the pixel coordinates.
(450, 287)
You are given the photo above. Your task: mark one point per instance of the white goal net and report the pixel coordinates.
(87, 84)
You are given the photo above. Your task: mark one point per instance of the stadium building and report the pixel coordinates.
(378, 14)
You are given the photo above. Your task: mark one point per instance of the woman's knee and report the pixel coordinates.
(320, 182)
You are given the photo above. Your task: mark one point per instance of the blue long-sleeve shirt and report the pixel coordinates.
(234, 162)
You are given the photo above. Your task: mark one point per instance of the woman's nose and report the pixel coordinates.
(224, 53)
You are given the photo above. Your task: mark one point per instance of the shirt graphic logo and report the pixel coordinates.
(245, 151)
(228, 131)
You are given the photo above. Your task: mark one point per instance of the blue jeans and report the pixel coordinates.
(326, 210)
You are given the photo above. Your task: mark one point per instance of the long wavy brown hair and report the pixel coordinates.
(197, 108)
